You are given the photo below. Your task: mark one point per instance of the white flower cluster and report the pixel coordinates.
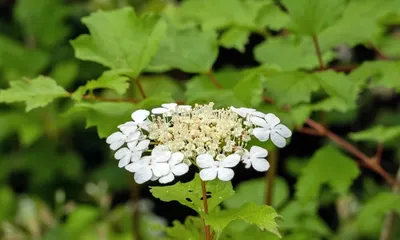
(164, 143)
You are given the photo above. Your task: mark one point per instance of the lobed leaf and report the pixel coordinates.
(379, 134)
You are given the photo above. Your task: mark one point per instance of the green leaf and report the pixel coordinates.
(310, 17)
(35, 93)
(331, 104)
(165, 85)
(291, 87)
(19, 61)
(120, 40)
(340, 88)
(235, 38)
(80, 219)
(382, 74)
(218, 14)
(254, 191)
(192, 229)
(190, 193)
(8, 199)
(65, 73)
(108, 80)
(106, 116)
(290, 53)
(261, 215)
(271, 16)
(299, 217)
(176, 51)
(379, 134)
(249, 89)
(327, 166)
(370, 218)
(43, 20)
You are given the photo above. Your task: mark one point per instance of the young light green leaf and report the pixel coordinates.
(20, 62)
(65, 73)
(271, 16)
(290, 53)
(310, 17)
(190, 50)
(236, 38)
(120, 40)
(327, 166)
(43, 20)
(164, 83)
(35, 93)
(192, 229)
(338, 86)
(379, 134)
(108, 80)
(262, 215)
(253, 191)
(249, 89)
(331, 104)
(190, 193)
(106, 116)
(370, 218)
(291, 87)
(218, 14)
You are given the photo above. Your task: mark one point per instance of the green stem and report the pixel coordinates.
(318, 51)
(205, 205)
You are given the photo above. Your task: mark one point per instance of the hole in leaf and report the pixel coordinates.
(188, 199)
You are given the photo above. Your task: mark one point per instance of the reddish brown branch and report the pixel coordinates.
(370, 163)
(379, 153)
(318, 51)
(214, 80)
(205, 205)
(140, 87)
(308, 131)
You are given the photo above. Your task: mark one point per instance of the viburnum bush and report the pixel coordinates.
(197, 101)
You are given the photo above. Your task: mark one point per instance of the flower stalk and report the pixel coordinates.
(205, 206)
(270, 177)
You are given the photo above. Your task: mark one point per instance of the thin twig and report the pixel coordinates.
(308, 131)
(371, 163)
(140, 87)
(103, 99)
(270, 176)
(380, 54)
(205, 205)
(214, 80)
(388, 228)
(318, 51)
(379, 153)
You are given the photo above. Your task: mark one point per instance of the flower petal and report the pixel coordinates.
(140, 115)
(170, 106)
(277, 139)
(124, 161)
(143, 175)
(136, 155)
(128, 127)
(136, 166)
(239, 111)
(180, 169)
(167, 178)
(208, 174)
(160, 154)
(154, 178)
(142, 145)
(225, 174)
(159, 110)
(231, 160)
(260, 164)
(283, 130)
(271, 119)
(256, 151)
(184, 107)
(115, 137)
(258, 114)
(160, 169)
(122, 153)
(205, 160)
(259, 122)
(133, 136)
(176, 158)
(261, 134)
(115, 145)
(132, 145)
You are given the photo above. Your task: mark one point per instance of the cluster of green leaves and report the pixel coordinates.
(92, 78)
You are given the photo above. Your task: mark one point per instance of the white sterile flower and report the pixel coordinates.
(139, 118)
(168, 108)
(117, 139)
(269, 125)
(177, 168)
(132, 153)
(245, 112)
(211, 169)
(152, 166)
(256, 158)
